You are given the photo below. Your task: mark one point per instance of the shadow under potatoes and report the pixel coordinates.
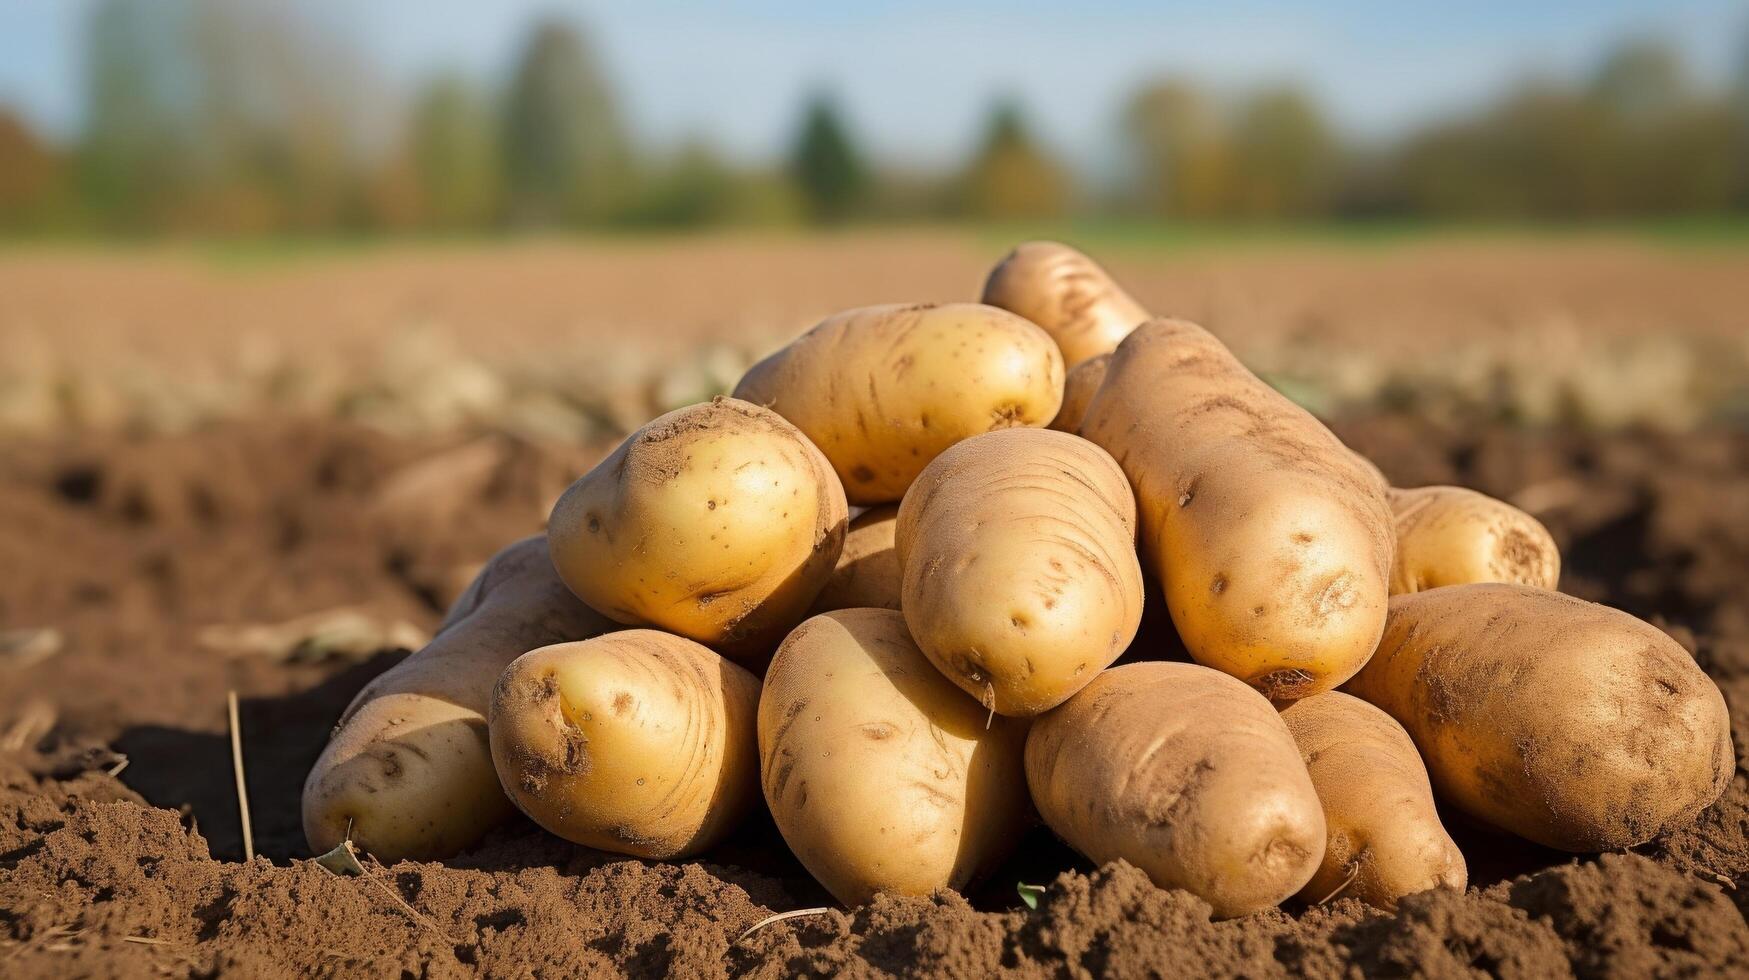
(187, 770)
(190, 771)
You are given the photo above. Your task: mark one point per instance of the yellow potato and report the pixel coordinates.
(883, 390)
(407, 773)
(1385, 839)
(718, 522)
(1084, 379)
(881, 775)
(1185, 773)
(1271, 540)
(1454, 536)
(1567, 723)
(636, 742)
(867, 575)
(1018, 551)
(1067, 294)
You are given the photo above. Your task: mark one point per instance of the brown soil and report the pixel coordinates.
(681, 292)
(131, 546)
(535, 336)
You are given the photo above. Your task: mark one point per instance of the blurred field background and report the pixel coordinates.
(554, 220)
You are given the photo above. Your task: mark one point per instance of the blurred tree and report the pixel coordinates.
(1010, 177)
(1691, 162)
(455, 156)
(287, 131)
(135, 147)
(1671, 148)
(1739, 99)
(30, 178)
(1636, 139)
(694, 187)
(1641, 78)
(220, 115)
(1177, 151)
(242, 116)
(565, 154)
(1536, 153)
(825, 165)
(1284, 156)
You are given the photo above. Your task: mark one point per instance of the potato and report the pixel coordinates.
(1018, 551)
(718, 522)
(636, 742)
(1385, 839)
(1185, 773)
(407, 773)
(1067, 294)
(1454, 536)
(1567, 723)
(881, 775)
(1078, 387)
(1271, 540)
(883, 390)
(867, 575)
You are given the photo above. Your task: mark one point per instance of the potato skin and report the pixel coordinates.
(867, 576)
(882, 390)
(1271, 540)
(1384, 830)
(1066, 293)
(1454, 536)
(637, 742)
(1185, 773)
(881, 775)
(1018, 551)
(1568, 723)
(1083, 380)
(718, 522)
(408, 772)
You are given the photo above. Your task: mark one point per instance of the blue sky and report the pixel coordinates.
(917, 77)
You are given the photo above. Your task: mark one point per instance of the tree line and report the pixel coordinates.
(234, 118)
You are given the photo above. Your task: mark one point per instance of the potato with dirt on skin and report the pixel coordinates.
(1018, 555)
(718, 522)
(1083, 380)
(882, 390)
(637, 742)
(881, 775)
(1454, 536)
(1568, 723)
(1385, 839)
(1186, 773)
(867, 575)
(407, 774)
(1271, 540)
(1066, 293)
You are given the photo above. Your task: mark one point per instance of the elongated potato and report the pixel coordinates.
(1271, 540)
(1385, 839)
(882, 390)
(1568, 723)
(867, 576)
(1083, 380)
(1454, 536)
(408, 773)
(719, 522)
(637, 742)
(1185, 773)
(1018, 551)
(880, 774)
(1067, 294)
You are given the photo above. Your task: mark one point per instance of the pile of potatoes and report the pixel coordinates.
(705, 629)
